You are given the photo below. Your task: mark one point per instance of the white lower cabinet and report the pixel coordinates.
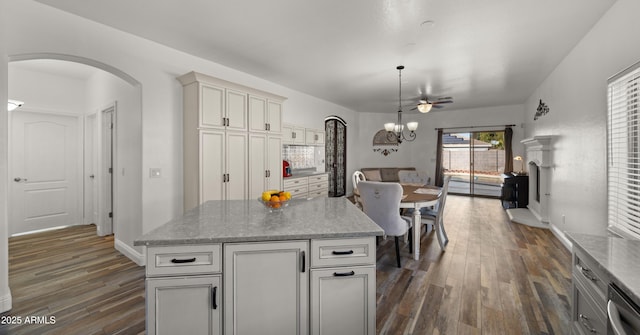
(267, 288)
(297, 287)
(184, 305)
(343, 301)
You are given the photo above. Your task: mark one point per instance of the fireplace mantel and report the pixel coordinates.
(539, 150)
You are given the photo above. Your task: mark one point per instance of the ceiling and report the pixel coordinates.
(481, 53)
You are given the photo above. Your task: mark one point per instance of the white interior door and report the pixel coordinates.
(45, 163)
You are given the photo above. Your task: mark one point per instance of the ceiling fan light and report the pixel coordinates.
(412, 126)
(389, 126)
(424, 108)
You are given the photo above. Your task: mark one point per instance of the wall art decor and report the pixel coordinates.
(542, 109)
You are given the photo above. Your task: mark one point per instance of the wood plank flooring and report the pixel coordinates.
(496, 277)
(79, 279)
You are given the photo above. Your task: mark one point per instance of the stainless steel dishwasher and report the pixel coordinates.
(623, 314)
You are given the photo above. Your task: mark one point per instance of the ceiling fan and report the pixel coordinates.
(425, 104)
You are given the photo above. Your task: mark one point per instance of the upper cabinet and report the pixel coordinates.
(265, 115)
(292, 134)
(209, 102)
(314, 136)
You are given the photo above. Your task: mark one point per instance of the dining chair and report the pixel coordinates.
(381, 203)
(413, 177)
(435, 216)
(357, 177)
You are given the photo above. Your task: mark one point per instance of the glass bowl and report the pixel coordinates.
(274, 205)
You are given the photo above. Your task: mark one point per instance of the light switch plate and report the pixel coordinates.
(155, 173)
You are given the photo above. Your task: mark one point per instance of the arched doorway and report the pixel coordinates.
(336, 154)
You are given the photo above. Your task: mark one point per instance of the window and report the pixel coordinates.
(623, 154)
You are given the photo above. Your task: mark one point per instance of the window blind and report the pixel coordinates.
(623, 154)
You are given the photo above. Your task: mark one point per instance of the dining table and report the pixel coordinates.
(418, 196)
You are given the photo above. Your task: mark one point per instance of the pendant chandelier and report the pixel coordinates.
(395, 131)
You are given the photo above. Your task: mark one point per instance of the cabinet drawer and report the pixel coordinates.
(300, 191)
(319, 193)
(353, 251)
(586, 271)
(587, 318)
(318, 178)
(183, 260)
(294, 182)
(318, 186)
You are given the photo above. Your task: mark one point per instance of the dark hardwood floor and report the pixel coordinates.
(496, 277)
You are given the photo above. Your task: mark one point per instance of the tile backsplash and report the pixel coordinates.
(304, 156)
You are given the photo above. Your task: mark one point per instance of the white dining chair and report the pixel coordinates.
(381, 203)
(435, 216)
(357, 177)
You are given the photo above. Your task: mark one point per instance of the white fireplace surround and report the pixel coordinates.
(539, 153)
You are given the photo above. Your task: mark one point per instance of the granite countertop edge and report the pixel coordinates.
(624, 272)
(237, 239)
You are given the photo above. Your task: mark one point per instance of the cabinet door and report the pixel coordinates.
(274, 116)
(237, 165)
(236, 110)
(274, 162)
(299, 137)
(267, 288)
(319, 137)
(343, 301)
(309, 135)
(212, 106)
(184, 305)
(212, 166)
(287, 134)
(258, 167)
(257, 114)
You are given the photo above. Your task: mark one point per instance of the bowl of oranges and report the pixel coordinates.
(275, 200)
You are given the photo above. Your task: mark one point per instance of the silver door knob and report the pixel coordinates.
(18, 179)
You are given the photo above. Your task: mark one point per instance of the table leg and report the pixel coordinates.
(417, 225)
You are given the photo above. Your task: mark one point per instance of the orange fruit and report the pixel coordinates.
(276, 205)
(275, 198)
(283, 197)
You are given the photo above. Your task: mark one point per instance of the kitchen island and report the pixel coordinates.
(234, 267)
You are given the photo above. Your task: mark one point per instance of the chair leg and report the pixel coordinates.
(398, 251)
(411, 240)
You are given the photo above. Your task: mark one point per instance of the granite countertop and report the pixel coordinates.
(620, 258)
(251, 221)
(296, 174)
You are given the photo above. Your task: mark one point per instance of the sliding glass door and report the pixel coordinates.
(475, 161)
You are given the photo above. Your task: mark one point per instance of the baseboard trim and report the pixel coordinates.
(130, 252)
(5, 302)
(562, 237)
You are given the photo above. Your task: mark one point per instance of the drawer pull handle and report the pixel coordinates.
(214, 293)
(584, 320)
(344, 274)
(304, 260)
(348, 252)
(181, 261)
(587, 273)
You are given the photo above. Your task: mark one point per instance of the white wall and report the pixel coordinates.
(5, 292)
(576, 95)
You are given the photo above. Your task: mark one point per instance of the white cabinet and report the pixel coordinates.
(292, 134)
(343, 287)
(265, 115)
(217, 118)
(218, 107)
(265, 170)
(589, 295)
(314, 137)
(307, 187)
(267, 287)
(222, 170)
(184, 289)
(184, 305)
